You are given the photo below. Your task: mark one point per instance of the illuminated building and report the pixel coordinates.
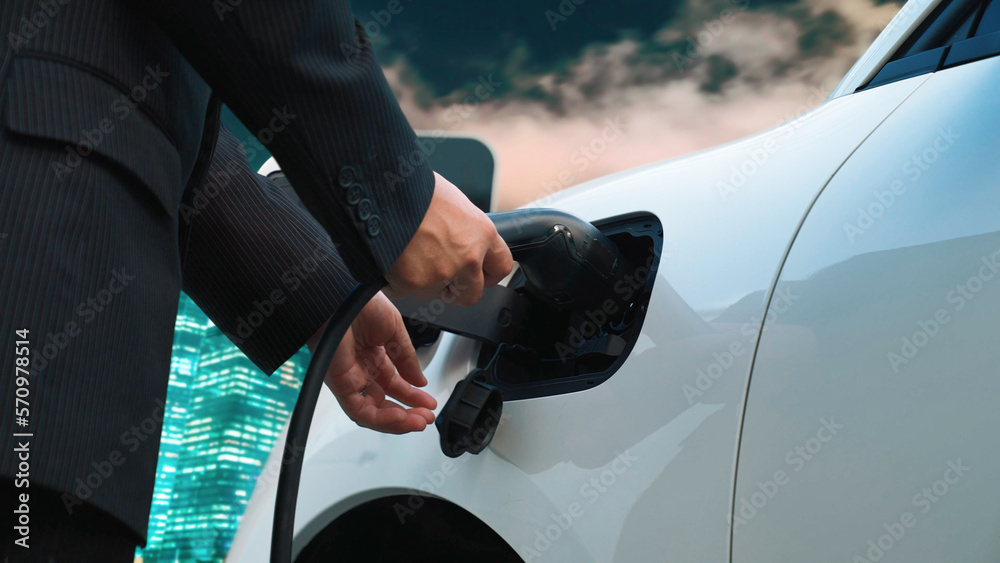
(230, 414)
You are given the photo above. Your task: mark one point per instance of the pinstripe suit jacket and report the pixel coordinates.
(119, 188)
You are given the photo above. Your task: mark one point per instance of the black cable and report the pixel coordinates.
(298, 426)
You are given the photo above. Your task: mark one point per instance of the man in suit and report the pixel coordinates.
(120, 188)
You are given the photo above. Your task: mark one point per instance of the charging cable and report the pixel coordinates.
(283, 525)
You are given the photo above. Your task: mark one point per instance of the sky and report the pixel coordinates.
(570, 90)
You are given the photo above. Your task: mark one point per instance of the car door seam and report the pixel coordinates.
(770, 297)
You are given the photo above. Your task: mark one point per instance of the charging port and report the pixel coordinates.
(561, 351)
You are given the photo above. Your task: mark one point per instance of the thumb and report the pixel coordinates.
(498, 261)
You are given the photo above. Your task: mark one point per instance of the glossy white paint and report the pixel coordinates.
(663, 439)
(893, 336)
(665, 432)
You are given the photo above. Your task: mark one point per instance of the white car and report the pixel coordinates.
(815, 379)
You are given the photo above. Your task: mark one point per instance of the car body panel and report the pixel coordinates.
(642, 464)
(884, 347)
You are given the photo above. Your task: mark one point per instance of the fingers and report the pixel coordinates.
(372, 410)
(468, 287)
(455, 241)
(392, 419)
(498, 262)
(362, 373)
(394, 385)
(408, 394)
(425, 414)
(403, 355)
(383, 415)
(414, 420)
(386, 415)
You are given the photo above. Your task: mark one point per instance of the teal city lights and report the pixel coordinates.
(223, 416)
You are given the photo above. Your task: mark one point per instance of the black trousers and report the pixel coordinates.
(55, 535)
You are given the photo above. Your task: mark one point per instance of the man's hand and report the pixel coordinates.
(455, 253)
(363, 372)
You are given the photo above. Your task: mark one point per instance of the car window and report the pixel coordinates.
(962, 30)
(956, 32)
(990, 21)
(951, 21)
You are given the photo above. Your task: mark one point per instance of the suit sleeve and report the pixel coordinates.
(301, 74)
(263, 270)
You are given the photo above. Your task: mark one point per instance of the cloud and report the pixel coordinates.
(753, 71)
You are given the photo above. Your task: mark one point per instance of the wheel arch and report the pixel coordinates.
(398, 525)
